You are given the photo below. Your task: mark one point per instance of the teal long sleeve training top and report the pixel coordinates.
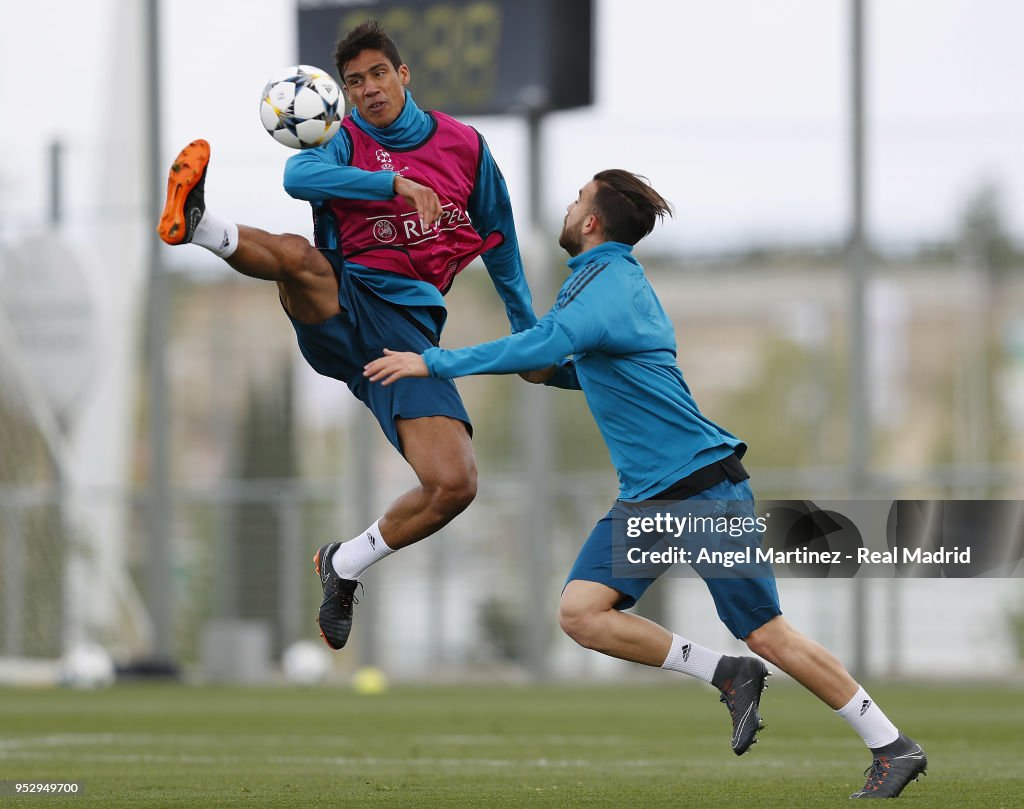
(622, 346)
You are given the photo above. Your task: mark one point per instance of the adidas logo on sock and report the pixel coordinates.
(686, 652)
(864, 706)
(225, 241)
(373, 540)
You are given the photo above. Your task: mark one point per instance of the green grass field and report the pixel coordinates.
(558, 746)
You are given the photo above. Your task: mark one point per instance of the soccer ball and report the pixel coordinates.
(305, 662)
(301, 107)
(87, 666)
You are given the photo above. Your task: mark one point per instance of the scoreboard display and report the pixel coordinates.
(471, 57)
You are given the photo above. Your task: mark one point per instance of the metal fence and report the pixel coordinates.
(453, 607)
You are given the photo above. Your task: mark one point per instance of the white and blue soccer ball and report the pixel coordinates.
(302, 107)
(306, 662)
(87, 666)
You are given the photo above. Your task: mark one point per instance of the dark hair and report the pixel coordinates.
(368, 36)
(627, 205)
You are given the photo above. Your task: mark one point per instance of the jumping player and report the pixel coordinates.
(403, 200)
(623, 356)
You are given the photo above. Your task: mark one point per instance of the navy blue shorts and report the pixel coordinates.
(743, 601)
(367, 324)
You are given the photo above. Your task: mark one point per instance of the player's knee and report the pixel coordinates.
(765, 641)
(452, 496)
(759, 645)
(577, 622)
(298, 258)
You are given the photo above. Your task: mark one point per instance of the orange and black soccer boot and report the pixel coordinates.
(185, 205)
(335, 616)
(894, 766)
(741, 681)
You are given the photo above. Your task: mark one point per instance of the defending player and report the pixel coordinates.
(623, 349)
(403, 200)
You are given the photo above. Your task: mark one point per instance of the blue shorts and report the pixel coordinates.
(367, 324)
(744, 602)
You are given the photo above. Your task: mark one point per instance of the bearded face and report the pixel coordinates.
(571, 238)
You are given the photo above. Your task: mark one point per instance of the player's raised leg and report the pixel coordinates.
(588, 614)
(897, 759)
(306, 280)
(440, 452)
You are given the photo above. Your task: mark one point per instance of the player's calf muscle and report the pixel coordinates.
(270, 257)
(301, 262)
(304, 277)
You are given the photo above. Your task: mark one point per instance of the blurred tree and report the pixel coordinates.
(779, 413)
(983, 236)
(34, 540)
(498, 425)
(265, 449)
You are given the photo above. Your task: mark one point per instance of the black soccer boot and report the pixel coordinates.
(335, 616)
(894, 766)
(741, 681)
(185, 205)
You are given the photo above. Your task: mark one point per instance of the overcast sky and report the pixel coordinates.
(735, 109)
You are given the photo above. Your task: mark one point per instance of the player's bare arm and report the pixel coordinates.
(539, 377)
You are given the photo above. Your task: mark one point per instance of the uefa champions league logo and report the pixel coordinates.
(384, 158)
(384, 231)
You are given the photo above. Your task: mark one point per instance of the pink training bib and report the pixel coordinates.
(387, 234)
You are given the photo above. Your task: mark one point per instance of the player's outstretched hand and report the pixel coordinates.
(394, 365)
(423, 199)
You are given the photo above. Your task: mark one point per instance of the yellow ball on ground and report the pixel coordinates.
(369, 680)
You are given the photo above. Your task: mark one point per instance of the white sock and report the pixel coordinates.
(691, 658)
(867, 719)
(353, 557)
(216, 235)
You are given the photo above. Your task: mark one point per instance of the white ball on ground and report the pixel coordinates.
(306, 662)
(87, 666)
